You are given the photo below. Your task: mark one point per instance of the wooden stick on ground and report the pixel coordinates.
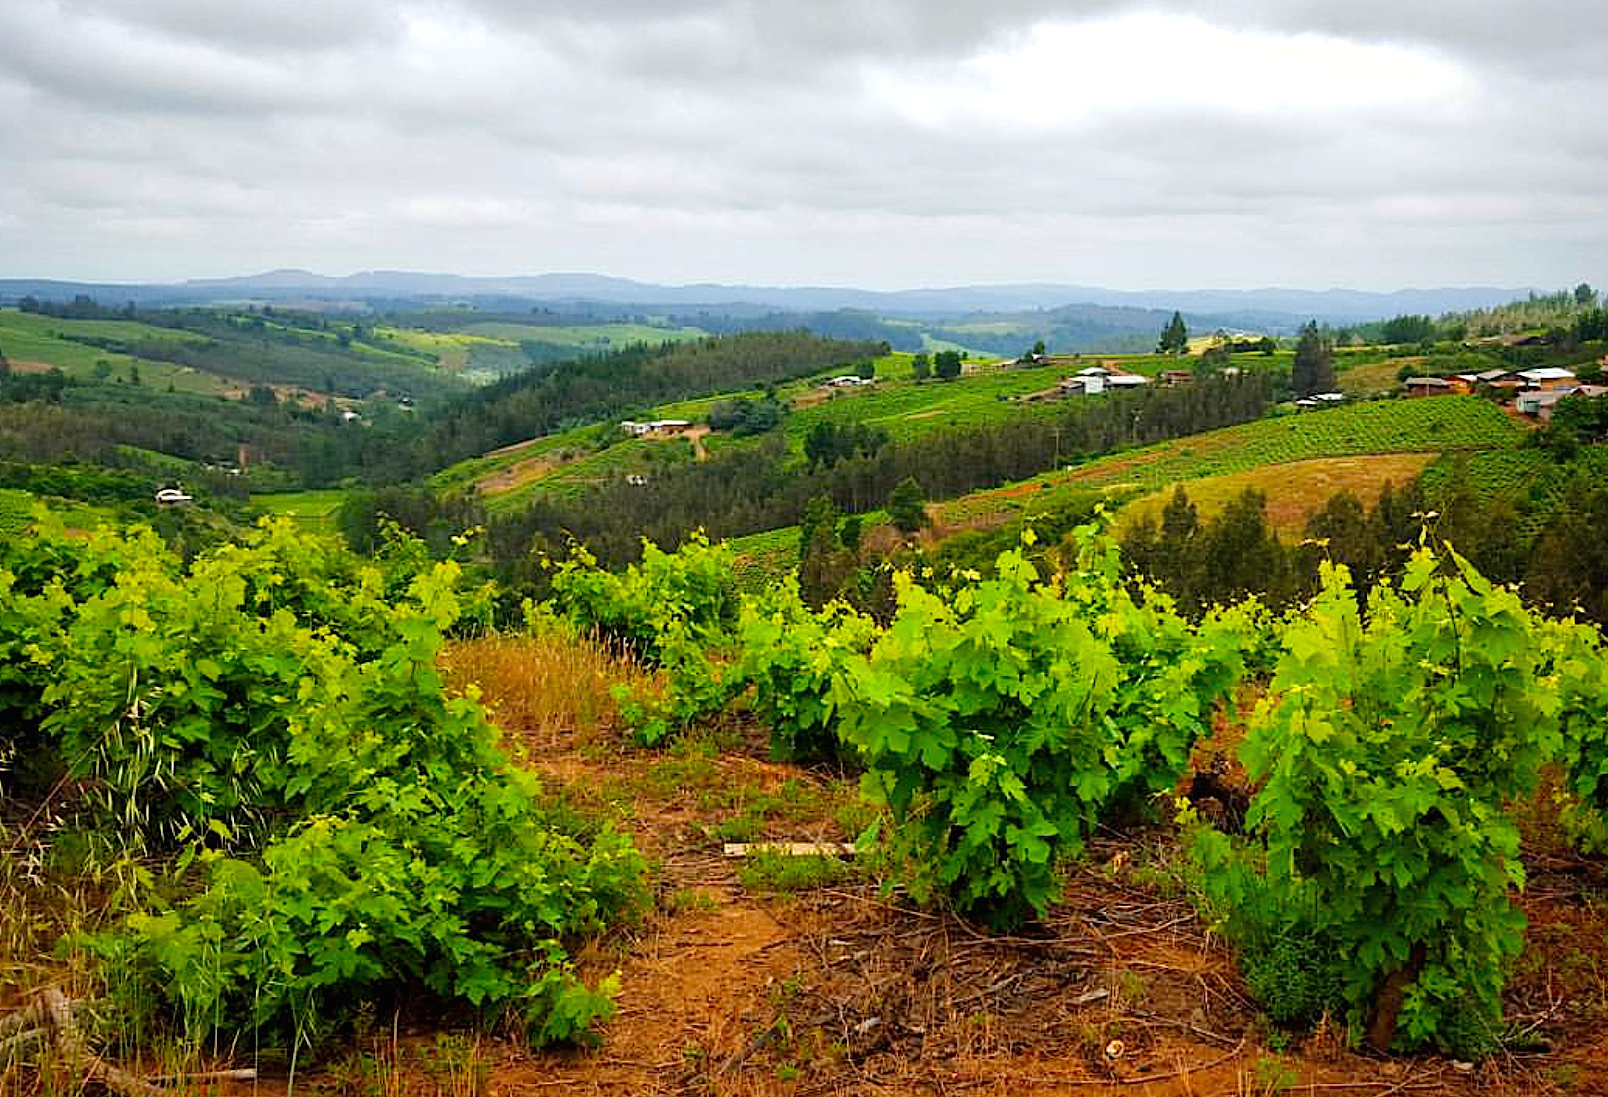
(245, 1074)
(68, 1038)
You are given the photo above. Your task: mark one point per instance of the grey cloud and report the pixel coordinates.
(738, 139)
(251, 26)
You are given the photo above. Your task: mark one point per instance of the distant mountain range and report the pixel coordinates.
(1277, 308)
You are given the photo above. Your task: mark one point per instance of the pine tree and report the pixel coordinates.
(907, 505)
(1313, 370)
(1175, 338)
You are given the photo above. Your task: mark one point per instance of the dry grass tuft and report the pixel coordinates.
(547, 684)
(42, 905)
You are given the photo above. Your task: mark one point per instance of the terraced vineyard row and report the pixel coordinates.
(14, 510)
(909, 410)
(1392, 426)
(1523, 475)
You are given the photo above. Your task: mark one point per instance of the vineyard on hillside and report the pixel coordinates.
(324, 828)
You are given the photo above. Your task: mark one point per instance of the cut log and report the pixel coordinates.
(791, 849)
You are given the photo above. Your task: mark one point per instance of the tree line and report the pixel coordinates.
(1236, 553)
(598, 387)
(765, 486)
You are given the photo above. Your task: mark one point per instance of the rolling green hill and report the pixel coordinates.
(1394, 439)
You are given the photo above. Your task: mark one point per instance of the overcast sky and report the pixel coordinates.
(877, 143)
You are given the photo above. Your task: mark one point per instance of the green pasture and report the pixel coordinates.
(452, 349)
(31, 338)
(311, 510)
(585, 336)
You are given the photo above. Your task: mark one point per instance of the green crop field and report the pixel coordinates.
(1530, 477)
(452, 349)
(311, 510)
(585, 337)
(898, 404)
(760, 557)
(15, 509)
(633, 455)
(31, 340)
(1298, 460)
(909, 409)
(16, 512)
(1491, 474)
(177, 465)
(1380, 427)
(554, 449)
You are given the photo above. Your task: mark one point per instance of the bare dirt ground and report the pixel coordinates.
(696, 436)
(516, 475)
(730, 987)
(843, 989)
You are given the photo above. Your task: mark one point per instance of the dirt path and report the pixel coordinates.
(696, 436)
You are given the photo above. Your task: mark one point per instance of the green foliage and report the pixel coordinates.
(998, 720)
(1385, 752)
(670, 611)
(946, 365)
(907, 506)
(1296, 977)
(1174, 337)
(1407, 329)
(329, 825)
(690, 592)
(742, 416)
(1313, 369)
(698, 685)
(791, 656)
(827, 442)
(769, 871)
(1579, 661)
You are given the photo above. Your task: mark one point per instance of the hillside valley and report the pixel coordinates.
(411, 685)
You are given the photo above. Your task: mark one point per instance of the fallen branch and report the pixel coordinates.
(245, 1074)
(49, 1022)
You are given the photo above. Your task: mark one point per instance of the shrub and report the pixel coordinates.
(330, 825)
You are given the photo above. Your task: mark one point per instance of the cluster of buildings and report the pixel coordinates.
(1533, 391)
(654, 428)
(1094, 380)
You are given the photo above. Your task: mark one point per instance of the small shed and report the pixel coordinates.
(1428, 386)
(1548, 379)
